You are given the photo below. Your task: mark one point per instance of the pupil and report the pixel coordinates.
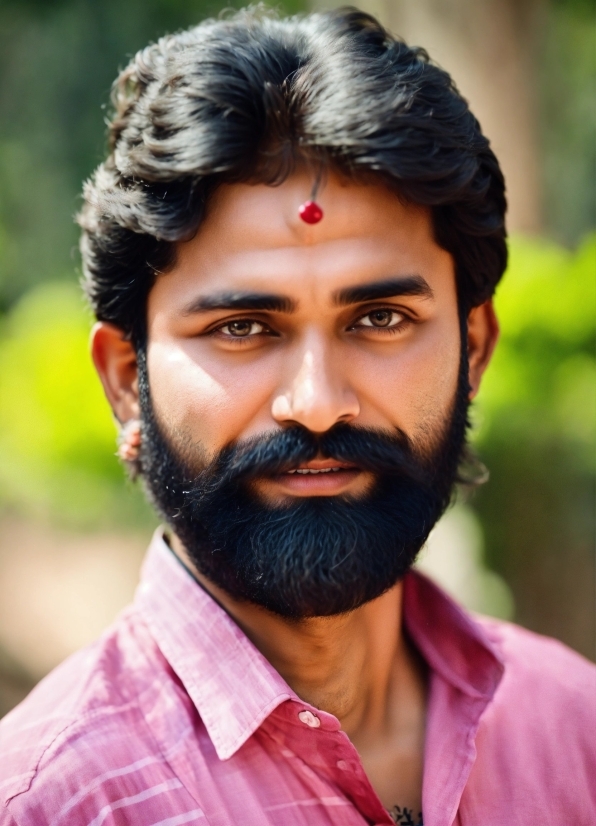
(240, 328)
(381, 318)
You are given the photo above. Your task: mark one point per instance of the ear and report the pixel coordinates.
(115, 360)
(483, 333)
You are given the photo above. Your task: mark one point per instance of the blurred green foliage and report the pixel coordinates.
(543, 375)
(536, 430)
(57, 438)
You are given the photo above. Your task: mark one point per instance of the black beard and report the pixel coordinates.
(321, 555)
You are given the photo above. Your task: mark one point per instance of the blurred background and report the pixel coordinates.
(73, 531)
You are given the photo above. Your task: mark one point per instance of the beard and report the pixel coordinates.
(316, 556)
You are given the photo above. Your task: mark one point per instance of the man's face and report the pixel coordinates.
(302, 396)
(266, 322)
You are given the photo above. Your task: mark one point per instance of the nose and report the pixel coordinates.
(316, 395)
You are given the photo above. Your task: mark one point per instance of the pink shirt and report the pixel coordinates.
(174, 717)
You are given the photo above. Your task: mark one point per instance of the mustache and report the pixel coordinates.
(382, 452)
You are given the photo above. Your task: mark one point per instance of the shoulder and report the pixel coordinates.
(532, 660)
(540, 724)
(535, 759)
(81, 722)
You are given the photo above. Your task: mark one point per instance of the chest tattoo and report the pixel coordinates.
(405, 816)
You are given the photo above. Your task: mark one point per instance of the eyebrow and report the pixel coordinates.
(404, 285)
(241, 301)
(271, 302)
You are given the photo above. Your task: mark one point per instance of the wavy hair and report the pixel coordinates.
(247, 98)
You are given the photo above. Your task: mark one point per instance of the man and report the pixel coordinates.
(291, 250)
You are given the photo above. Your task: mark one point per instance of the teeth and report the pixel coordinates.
(305, 471)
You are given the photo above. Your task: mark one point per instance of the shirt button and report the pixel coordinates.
(309, 719)
(341, 764)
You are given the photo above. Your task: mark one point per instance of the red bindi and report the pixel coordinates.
(310, 212)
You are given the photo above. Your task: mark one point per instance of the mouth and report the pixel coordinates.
(319, 477)
(304, 470)
(317, 467)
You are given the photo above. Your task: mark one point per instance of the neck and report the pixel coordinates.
(357, 666)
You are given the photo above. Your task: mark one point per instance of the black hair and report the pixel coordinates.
(247, 98)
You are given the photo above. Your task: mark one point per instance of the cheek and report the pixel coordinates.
(414, 387)
(211, 402)
(430, 410)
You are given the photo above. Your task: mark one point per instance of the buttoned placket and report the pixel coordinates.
(316, 739)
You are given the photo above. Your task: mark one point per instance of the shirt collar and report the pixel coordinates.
(234, 687)
(452, 642)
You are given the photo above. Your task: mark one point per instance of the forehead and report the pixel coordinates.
(253, 238)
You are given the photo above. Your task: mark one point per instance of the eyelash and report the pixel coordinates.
(393, 330)
(237, 339)
(396, 328)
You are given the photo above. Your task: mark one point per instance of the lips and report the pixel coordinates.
(317, 477)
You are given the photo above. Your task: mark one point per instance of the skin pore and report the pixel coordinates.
(264, 322)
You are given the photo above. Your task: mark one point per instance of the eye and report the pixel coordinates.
(242, 328)
(381, 319)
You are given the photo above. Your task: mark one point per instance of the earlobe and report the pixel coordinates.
(115, 360)
(483, 334)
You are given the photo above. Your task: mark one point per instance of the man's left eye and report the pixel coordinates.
(242, 328)
(381, 319)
